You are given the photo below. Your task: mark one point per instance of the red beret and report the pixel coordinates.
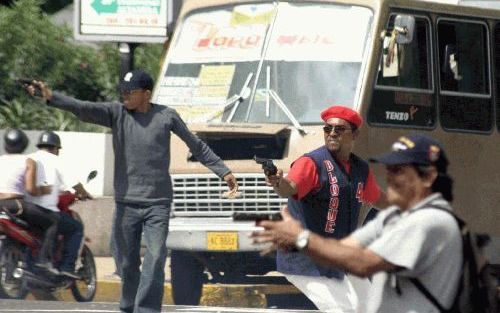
(344, 113)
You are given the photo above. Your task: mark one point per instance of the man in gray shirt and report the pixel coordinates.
(414, 238)
(142, 184)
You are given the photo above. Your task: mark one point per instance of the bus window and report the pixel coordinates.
(497, 71)
(403, 92)
(413, 70)
(465, 100)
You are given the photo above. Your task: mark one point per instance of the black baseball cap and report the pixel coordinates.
(136, 79)
(415, 149)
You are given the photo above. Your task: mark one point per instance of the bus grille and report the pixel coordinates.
(201, 195)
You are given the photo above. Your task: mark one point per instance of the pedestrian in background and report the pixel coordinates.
(17, 181)
(50, 175)
(326, 188)
(142, 184)
(413, 238)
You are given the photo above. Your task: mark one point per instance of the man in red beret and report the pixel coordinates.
(326, 189)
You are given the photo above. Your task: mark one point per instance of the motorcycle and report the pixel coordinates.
(19, 245)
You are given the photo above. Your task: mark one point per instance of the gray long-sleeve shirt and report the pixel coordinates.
(141, 143)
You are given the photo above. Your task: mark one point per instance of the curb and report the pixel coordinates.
(250, 296)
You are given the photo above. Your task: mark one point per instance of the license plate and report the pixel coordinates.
(222, 241)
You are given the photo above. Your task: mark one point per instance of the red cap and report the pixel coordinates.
(344, 113)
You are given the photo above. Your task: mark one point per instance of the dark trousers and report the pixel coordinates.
(142, 292)
(72, 230)
(37, 217)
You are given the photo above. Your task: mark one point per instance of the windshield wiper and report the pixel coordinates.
(287, 111)
(235, 100)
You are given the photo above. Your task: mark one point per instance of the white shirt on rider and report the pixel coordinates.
(12, 169)
(48, 174)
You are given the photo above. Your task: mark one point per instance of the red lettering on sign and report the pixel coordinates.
(252, 41)
(203, 42)
(220, 41)
(223, 42)
(286, 40)
(234, 42)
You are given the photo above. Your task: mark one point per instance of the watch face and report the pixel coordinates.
(302, 243)
(302, 240)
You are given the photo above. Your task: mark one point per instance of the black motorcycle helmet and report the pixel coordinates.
(15, 141)
(49, 139)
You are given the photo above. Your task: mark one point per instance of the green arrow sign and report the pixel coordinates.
(103, 6)
(99, 7)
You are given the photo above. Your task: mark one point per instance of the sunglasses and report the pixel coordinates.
(339, 129)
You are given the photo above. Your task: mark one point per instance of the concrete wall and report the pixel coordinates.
(80, 154)
(97, 216)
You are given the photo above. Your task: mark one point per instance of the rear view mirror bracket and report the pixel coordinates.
(404, 26)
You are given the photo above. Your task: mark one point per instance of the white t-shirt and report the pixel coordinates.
(426, 244)
(48, 174)
(12, 172)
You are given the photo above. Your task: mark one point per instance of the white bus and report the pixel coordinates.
(251, 77)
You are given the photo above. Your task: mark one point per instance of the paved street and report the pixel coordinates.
(214, 295)
(100, 307)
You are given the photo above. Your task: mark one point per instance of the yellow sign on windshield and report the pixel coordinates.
(216, 75)
(252, 14)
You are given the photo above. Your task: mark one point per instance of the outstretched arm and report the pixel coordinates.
(347, 254)
(91, 112)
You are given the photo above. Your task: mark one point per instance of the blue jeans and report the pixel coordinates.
(112, 246)
(141, 292)
(72, 230)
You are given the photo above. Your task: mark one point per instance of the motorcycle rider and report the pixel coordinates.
(48, 162)
(18, 178)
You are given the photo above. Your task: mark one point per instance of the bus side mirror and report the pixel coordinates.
(404, 25)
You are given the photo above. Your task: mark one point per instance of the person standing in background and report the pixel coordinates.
(143, 189)
(326, 188)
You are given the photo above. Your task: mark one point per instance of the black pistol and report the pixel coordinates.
(267, 165)
(29, 81)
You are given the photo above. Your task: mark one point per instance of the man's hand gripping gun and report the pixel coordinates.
(267, 165)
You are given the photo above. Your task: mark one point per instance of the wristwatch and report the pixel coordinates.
(302, 239)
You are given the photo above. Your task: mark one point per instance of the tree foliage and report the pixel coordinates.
(31, 46)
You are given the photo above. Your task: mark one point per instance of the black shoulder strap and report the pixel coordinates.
(427, 294)
(418, 283)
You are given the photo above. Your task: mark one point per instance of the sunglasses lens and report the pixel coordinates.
(339, 129)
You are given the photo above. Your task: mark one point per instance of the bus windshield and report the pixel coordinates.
(265, 63)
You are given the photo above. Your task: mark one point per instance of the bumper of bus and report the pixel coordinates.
(211, 234)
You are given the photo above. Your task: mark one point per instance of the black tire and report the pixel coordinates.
(187, 278)
(10, 256)
(84, 289)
